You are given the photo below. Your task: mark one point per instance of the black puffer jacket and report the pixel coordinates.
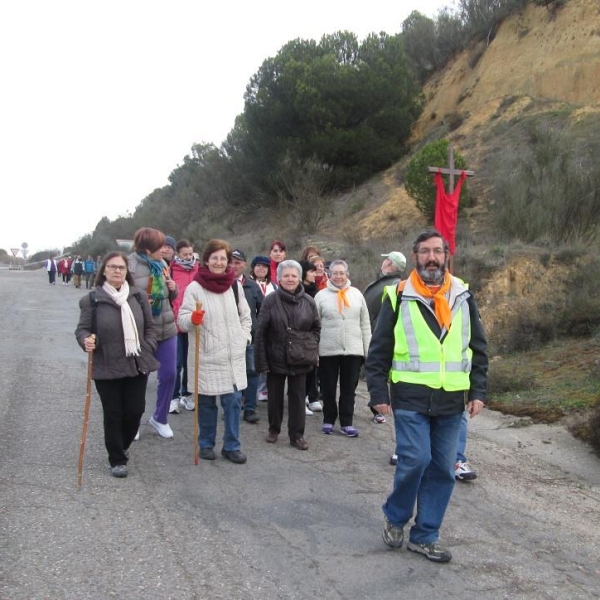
(110, 361)
(296, 310)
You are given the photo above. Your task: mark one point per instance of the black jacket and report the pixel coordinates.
(374, 294)
(255, 298)
(298, 311)
(422, 398)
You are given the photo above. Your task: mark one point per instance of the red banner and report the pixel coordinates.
(446, 209)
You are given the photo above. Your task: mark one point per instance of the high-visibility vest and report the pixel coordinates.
(420, 357)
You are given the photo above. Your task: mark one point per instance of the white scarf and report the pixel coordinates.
(130, 332)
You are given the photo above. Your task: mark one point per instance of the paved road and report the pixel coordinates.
(288, 524)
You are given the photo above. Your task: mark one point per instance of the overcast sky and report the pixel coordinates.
(100, 101)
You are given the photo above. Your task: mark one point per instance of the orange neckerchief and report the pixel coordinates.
(342, 300)
(443, 314)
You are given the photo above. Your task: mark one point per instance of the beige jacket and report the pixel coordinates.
(347, 333)
(224, 335)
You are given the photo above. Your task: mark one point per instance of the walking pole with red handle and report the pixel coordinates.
(196, 384)
(86, 417)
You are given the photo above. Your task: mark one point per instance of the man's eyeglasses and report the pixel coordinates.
(428, 251)
(116, 267)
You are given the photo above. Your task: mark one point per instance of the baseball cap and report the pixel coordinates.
(397, 258)
(238, 254)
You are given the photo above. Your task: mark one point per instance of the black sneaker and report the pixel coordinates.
(251, 417)
(431, 551)
(235, 456)
(119, 471)
(393, 536)
(207, 454)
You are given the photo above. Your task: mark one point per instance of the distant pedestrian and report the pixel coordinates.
(89, 268)
(77, 269)
(51, 268)
(184, 267)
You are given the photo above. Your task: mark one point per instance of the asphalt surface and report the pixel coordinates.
(288, 524)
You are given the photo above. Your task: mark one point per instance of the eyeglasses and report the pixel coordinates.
(116, 267)
(428, 251)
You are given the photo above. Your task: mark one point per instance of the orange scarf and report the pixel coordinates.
(443, 314)
(342, 300)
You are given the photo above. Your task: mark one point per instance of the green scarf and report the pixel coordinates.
(156, 288)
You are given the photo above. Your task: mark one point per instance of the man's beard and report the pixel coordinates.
(432, 277)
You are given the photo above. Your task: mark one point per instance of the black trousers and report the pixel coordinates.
(296, 408)
(312, 385)
(123, 402)
(347, 369)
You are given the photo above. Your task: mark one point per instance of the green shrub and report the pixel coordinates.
(419, 181)
(544, 190)
(503, 379)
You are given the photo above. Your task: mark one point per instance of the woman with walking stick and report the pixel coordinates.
(224, 335)
(116, 324)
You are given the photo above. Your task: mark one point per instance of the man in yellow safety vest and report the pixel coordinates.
(430, 347)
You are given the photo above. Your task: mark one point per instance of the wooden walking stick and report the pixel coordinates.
(196, 385)
(86, 417)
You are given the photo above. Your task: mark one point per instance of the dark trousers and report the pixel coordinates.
(312, 387)
(347, 368)
(123, 403)
(181, 378)
(296, 408)
(89, 281)
(51, 276)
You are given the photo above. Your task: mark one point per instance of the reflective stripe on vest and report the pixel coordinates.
(420, 358)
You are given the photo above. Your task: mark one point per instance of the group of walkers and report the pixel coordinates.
(74, 268)
(298, 325)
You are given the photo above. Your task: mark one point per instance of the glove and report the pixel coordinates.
(198, 317)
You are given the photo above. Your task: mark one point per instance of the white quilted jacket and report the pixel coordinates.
(345, 333)
(224, 335)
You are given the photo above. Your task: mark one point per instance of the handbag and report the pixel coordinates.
(301, 347)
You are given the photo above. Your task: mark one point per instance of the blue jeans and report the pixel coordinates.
(207, 420)
(181, 379)
(252, 376)
(426, 448)
(462, 439)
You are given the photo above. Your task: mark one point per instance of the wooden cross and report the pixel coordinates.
(451, 171)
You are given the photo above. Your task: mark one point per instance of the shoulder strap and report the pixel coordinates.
(94, 304)
(236, 292)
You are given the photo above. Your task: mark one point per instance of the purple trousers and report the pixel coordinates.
(166, 355)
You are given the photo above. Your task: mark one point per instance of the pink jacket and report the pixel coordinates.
(182, 277)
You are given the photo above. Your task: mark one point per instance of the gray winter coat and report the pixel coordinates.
(110, 361)
(165, 321)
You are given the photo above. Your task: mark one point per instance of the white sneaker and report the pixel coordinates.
(174, 406)
(137, 436)
(262, 396)
(164, 430)
(315, 406)
(308, 411)
(187, 402)
(463, 472)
